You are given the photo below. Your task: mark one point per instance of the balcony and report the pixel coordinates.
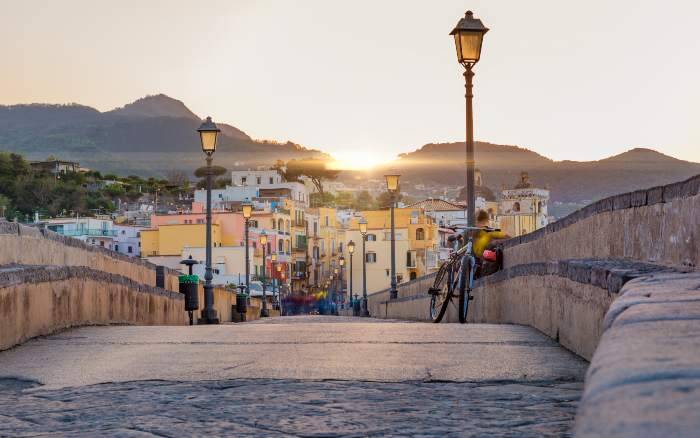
(90, 232)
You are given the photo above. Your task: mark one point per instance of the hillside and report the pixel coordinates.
(150, 136)
(569, 181)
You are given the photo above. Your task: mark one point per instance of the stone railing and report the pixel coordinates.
(88, 279)
(644, 379)
(38, 300)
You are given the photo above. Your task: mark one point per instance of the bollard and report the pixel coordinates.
(242, 303)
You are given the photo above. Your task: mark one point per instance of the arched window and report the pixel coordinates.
(316, 252)
(516, 206)
(371, 237)
(280, 245)
(420, 234)
(287, 225)
(288, 244)
(371, 257)
(269, 247)
(280, 225)
(412, 275)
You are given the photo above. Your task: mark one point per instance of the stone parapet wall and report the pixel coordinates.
(31, 246)
(39, 300)
(566, 300)
(622, 226)
(644, 378)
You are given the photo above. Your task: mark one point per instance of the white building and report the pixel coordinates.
(127, 240)
(98, 231)
(255, 184)
(228, 263)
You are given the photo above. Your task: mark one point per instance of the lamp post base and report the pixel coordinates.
(264, 313)
(364, 311)
(208, 316)
(393, 294)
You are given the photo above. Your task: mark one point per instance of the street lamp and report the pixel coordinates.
(263, 241)
(279, 286)
(469, 35)
(247, 213)
(341, 263)
(207, 136)
(351, 250)
(363, 231)
(392, 185)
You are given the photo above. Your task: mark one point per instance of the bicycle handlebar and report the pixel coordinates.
(489, 229)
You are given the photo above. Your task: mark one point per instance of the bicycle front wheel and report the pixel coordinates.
(464, 291)
(440, 293)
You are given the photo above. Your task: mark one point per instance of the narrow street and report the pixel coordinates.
(303, 376)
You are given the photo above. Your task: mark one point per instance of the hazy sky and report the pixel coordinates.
(367, 79)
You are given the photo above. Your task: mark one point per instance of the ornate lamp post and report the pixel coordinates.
(273, 264)
(331, 293)
(392, 185)
(363, 230)
(247, 212)
(343, 289)
(469, 34)
(279, 288)
(263, 241)
(208, 133)
(336, 292)
(351, 250)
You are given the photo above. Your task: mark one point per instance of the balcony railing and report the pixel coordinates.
(90, 232)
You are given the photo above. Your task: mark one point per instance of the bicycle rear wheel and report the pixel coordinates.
(441, 292)
(464, 292)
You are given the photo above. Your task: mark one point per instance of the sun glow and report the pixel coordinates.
(356, 161)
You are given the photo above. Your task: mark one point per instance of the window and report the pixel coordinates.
(316, 252)
(138, 234)
(102, 243)
(269, 247)
(288, 244)
(420, 234)
(410, 259)
(371, 237)
(116, 247)
(123, 232)
(280, 245)
(328, 219)
(516, 206)
(244, 180)
(272, 180)
(130, 250)
(371, 257)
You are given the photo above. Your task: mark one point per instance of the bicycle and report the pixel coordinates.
(456, 274)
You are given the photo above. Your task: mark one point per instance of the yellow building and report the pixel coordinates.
(325, 246)
(417, 247)
(169, 240)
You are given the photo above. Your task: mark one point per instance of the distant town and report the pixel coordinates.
(308, 221)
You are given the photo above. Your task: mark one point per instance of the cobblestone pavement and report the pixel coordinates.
(304, 376)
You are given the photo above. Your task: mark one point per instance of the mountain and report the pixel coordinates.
(150, 136)
(568, 181)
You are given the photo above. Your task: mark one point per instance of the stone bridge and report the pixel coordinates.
(613, 285)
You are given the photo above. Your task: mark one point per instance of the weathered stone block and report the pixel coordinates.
(9, 227)
(691, 187)
(673, 191)
(655, 195)
(639, 198)
(623, 201)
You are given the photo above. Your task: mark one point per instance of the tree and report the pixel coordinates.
(314, 169)
(344, 200)
(384, 199)
(322, 200)
(363, 201)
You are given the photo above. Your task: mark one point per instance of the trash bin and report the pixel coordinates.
(189, 287)
(241, 303)
(356, 307)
